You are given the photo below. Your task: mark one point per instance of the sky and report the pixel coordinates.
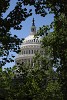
(25, 31)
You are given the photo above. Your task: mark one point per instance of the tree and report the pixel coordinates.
(38, 82)
(30, 83)
(7, 41)
(56, 40)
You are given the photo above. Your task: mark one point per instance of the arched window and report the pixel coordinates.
(32, 52)
(29, 51)
(34, 40)
(32, 29)
(24, 51)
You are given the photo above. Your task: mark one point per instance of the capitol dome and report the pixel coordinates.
(29, 47)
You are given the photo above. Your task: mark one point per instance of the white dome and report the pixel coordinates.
(32, 38)
(30, 46)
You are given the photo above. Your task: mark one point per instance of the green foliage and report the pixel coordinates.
(56, 41)
(54, 6)
(13, 20)
(30, 83)
(38, 82)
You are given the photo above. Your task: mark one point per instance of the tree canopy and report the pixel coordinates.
(12, 20)
(32, 84)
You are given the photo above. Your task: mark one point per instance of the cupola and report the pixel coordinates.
(33, 28)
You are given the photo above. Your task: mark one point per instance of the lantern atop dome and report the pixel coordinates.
(33, 28)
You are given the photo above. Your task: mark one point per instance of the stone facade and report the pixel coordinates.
(29, 47)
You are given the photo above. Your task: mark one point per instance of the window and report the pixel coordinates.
(29, 51)
(34, 40)
(24, 52)
(32, 29)
(32, 51)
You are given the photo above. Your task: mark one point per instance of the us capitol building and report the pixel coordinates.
(29, 47)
